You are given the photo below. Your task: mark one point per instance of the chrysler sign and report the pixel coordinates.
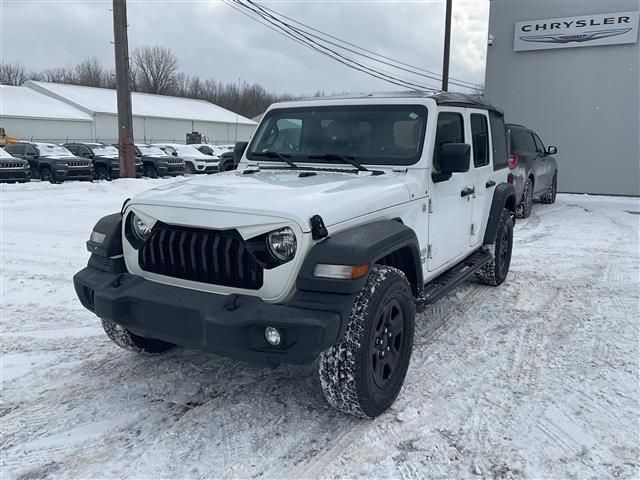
(579, 31)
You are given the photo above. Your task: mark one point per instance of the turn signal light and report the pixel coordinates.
(343, 272)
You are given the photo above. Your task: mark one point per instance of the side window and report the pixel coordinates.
(498, 140)
(82, 151)
(480, 137)
(529, 143)
(17, 149)
(539, 145)
(450, 129)
(29, 150)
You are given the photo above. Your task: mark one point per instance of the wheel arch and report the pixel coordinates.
(386, 242)
(504, 196)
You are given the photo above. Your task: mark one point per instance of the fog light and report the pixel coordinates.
(272, 336)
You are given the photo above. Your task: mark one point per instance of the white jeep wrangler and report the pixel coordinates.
(345, 216)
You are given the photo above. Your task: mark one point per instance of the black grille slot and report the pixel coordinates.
(207, 256)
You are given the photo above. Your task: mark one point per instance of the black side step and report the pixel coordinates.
(447, 281)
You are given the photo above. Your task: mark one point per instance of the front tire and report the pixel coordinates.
(46, 175)
(550, 195)
(102, 173)
(363, 374)
(131, 342)
(150, 171)
(189, 168)
(495, 272)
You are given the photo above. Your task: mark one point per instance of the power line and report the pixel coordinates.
(301, 36)
(438, 77)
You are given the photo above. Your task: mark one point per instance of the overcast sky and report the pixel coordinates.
(213, 41)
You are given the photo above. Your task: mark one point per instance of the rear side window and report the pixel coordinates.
(15, 149)
(480, 135)
(499, 140)
(450, 129)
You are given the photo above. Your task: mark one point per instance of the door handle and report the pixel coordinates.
(467, 191)
(490, 184)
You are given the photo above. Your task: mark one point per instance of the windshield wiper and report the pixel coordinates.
(349, 159)
(285, 157)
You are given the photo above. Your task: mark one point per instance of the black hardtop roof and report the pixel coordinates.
(441, 98)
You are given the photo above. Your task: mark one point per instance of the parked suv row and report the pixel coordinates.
(51, 162)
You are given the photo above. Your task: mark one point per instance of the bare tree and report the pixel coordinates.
(155, 69)
(90, 73)
(12, 74)
(59, 75)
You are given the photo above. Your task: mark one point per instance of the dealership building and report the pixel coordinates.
(571, 72)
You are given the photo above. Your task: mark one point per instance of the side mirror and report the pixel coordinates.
(174, 153)
(238, 151)
(552, 150)
(87, 155)
(455, 157)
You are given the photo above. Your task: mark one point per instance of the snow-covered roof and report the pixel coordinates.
(27, 103)
(104, 100)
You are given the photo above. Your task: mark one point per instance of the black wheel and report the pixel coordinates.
(526, 205)
(102, 173)
(46, 175)
(550, 195)
(127, 340)
(189, 168)
(363, 374)
(150, 171)
(496, 271)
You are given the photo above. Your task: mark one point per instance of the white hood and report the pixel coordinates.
(335, 196)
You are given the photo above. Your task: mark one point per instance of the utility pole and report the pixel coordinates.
(447, 43)
(125, 120)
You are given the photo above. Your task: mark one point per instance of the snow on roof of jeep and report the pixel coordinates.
(441, 98)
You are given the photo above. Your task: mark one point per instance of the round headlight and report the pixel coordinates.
(282, 244)
(139, 229)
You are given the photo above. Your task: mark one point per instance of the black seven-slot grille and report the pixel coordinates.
(207, 256)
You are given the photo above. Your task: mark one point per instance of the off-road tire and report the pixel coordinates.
(347, 372)
(102, 173)
(46, 175)
(127, 340)
(550, 195)
(495, 272)
(189, 168)
(526, 205)
(150, 171)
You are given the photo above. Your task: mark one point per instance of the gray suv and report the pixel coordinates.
(533, 168)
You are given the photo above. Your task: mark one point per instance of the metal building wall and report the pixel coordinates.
(46, 130)
(584, 100)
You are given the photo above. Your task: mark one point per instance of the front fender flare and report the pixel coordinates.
(366, 243)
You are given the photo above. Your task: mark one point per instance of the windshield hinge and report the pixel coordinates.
(430, 206)
(473, 230)
(429, 251)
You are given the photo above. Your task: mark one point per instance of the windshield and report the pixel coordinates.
(104, 150)
(147, 150)
(189, 151)
(4, 154)
(370, 134)
(51, 150)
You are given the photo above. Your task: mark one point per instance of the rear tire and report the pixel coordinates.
(133, 343)
(495, 272)
(550, 196)
(526, 205)
(363, 374)
(150, 171)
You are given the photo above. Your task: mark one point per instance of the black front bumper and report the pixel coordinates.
(74, 173)
(229, 325)
(14, 175)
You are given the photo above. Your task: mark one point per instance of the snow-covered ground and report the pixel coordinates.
(537, 378)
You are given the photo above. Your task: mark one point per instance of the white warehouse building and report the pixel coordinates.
(59, 113)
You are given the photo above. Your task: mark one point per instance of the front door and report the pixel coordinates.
(450, 200)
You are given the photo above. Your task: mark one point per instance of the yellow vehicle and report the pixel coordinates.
(6, 139)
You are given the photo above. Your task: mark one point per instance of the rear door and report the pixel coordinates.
(450, 200)
(484, 180)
